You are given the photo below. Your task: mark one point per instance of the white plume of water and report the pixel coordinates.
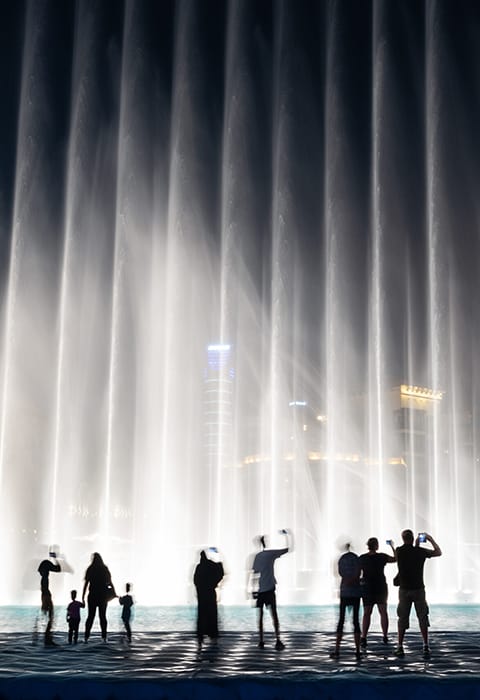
(200, 343)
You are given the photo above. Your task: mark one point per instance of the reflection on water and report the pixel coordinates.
(237, 618)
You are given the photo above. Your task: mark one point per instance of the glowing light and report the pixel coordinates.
(256, 459)
(316, 456)
(324, 457)
(219, 348)
(421, 392)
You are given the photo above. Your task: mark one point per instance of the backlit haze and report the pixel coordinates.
(240, 290)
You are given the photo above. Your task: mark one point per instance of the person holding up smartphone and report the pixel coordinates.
(265, 584)
(411, 559)
(45, 568)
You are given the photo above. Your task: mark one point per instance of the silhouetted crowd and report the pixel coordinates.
(100, 589)
(362, 579)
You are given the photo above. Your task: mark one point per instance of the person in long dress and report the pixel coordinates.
(207, 576)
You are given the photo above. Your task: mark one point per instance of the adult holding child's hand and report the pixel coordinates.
(98, 582)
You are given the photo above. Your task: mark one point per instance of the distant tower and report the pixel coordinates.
(414, 408)
(218, 429)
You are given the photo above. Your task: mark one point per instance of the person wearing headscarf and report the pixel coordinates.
(208, 575)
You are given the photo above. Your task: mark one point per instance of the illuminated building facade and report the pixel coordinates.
(324, 486)
(415, 412)
(218, 402)
(218, 429)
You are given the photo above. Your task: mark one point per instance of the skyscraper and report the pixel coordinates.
(218, 428)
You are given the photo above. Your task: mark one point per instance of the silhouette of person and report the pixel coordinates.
(73, 617)
(411, 559)
(44, 569)
(126, 601)
(98, 581)
(265, 584)
(374, 588)
(349, 570)
(206, 578)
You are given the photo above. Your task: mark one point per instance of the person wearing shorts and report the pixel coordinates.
(262, 570)
(411, 559)
(374, 587)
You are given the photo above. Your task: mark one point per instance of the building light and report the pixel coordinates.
(218, 348)
(421, 392)
(256, 459)
(297, 403)
(339, 457)
(397, 460)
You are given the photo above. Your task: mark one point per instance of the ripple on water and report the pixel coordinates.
(175, 655)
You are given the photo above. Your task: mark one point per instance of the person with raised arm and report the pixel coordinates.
(45, 568)
(262, 573)
(411, 558)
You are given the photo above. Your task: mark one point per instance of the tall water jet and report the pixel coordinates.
(236, 300)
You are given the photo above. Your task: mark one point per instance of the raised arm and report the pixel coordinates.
(55, 567)
(289, 539)
(437, 552)
(392, 559)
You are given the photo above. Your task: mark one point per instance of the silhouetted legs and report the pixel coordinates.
(268, 600)
(47, 609)
(93, 604)
(405, 600)
(73, 626)
(128, 629)
(367, 614)
(345, 603)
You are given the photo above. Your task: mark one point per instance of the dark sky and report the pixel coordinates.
(276, 37)
(336, 96)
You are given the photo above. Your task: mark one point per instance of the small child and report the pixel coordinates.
(73, 617)
(126, 601)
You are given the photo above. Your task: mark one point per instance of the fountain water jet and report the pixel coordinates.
(233, 189)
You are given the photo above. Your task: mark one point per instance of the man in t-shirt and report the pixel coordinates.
(411, 559)
(262, 570)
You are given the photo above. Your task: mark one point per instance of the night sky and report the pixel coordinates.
(318, 102)
(294, 56)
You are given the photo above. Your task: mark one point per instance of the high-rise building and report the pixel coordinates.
(218, 402)
(218, 431)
